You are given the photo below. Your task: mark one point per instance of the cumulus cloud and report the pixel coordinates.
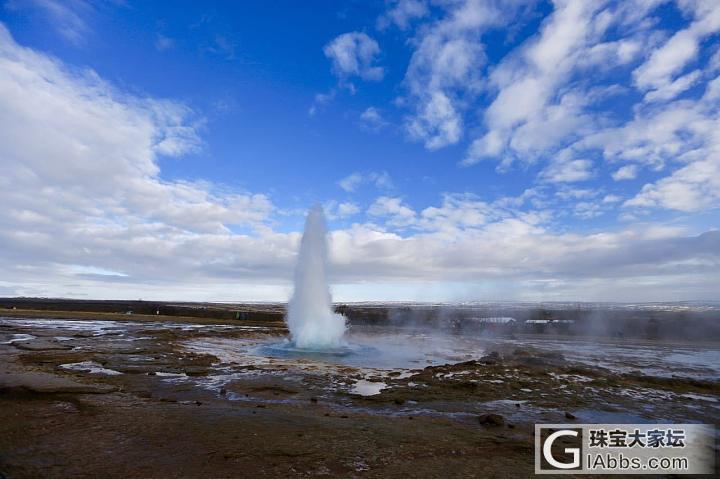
(436, 122)
(90, 193)
(528, 116)
(446, 67)
(395, 212)
(340, 210)
(354, 54)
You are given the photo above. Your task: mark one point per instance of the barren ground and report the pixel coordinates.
(130, 399)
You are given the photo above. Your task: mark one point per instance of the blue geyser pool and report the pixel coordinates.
(374, 351)
(287, 349)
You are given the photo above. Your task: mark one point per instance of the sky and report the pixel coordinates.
(463, 150)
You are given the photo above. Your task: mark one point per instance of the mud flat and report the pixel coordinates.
(139, 397)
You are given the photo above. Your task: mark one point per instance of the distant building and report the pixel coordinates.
(495, 320)
(550, 321)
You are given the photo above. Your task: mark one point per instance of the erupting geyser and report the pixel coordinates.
(311, 320)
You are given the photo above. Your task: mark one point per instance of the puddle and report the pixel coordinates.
(368, 388)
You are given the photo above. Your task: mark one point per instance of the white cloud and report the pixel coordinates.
(571, 193)
(398, 214)
(348, 209)
(354, 54)
(68, 17)
(90, 193)
(509, 246)
(548, 95)
(714, 62)
(611, 199)
(691, 188)
(335, 210)
(657, 73)
(402, 13)
(588, 209)
(351, 182)
(437, 122)
(627, 172)
(320, 100)
(372, 118)
(371, 114)
(545, 107)
(490, 145)
(456, 212)
(671, 90)
(568, 171)
(525, 116)
(380, 179)
(445, 67)
(682, 132)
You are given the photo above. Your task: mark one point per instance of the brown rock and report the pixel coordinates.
(44, 383)
(491, 420)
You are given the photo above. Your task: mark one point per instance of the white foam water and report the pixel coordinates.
(310, 318)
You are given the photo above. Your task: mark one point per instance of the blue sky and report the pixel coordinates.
(463, 150)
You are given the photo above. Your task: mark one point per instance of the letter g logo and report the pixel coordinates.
(547, 450)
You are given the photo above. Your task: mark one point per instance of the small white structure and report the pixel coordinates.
(550, 321)
(495, 320)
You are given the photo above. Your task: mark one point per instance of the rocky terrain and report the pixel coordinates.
(138, 397)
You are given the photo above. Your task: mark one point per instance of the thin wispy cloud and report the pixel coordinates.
(379, 179)
(163, 43)
(70, 18)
